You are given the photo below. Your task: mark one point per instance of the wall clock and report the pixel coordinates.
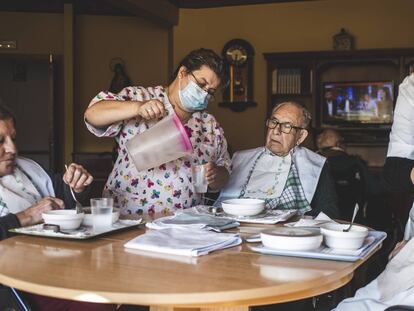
(343, 41)
(239, 56)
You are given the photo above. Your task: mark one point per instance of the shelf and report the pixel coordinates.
(306, 72)
(363, 129)
(292, 94)
(365, 137)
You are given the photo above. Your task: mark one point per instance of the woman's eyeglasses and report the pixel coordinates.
(285, 127)
(202, 86)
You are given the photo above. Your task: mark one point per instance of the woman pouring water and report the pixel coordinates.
(134, 110)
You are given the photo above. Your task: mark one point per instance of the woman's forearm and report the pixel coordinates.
(107, 112)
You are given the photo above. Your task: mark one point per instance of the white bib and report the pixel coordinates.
(269, 176)
(17, 193)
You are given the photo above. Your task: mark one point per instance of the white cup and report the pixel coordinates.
(102, 213)
(199, 179)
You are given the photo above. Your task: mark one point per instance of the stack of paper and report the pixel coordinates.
(184, 242)
(189, 219)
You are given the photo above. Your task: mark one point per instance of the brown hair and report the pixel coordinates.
(6, 113)
(197, 58)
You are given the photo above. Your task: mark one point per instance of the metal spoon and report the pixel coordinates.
(356, 209)
(53, 228)
(79, 208)
(216, 211)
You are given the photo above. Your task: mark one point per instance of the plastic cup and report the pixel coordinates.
(164, 142)
(102, 213)
(199, 179)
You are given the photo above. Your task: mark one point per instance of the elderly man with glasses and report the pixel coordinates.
(284, 174)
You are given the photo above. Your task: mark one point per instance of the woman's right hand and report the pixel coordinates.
(151, 109)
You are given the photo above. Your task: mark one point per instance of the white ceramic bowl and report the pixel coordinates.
(335, 237)
(292, 239)
(67, 219)
(243, 207)
(87, 220)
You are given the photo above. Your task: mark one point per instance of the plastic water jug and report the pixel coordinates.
(166, 141)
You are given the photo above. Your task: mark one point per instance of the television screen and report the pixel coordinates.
(357, 103)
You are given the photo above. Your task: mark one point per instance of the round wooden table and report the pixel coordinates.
(102, 270)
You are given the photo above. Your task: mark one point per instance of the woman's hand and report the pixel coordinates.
(217, 176)
(151, 109)
(33, 214)
(77, 177)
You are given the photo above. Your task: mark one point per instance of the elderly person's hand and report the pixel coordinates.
(217, 176)
(151, 109)
(77, 177)
(33, 214)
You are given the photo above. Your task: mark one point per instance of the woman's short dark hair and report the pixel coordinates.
(197, 58)
(6, 113)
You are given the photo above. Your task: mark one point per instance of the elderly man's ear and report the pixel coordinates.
(302, 136)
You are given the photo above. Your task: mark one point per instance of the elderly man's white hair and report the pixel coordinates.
(306, 115)
(329, 138)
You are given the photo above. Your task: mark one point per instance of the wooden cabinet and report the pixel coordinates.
(300, 76)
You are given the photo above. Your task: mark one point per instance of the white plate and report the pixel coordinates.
(291, 238)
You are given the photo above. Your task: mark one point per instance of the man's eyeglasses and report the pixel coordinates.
(202, 86)
(285, 127)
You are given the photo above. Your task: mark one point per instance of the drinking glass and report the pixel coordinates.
(102, 213)
(199, 179)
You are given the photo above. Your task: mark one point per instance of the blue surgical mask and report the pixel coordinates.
(193, 97)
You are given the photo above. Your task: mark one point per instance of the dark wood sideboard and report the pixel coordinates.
(299, 76)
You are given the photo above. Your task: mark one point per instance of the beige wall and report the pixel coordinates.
(142, 45)
(35, 33)
(97, 39)
(297, 26)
